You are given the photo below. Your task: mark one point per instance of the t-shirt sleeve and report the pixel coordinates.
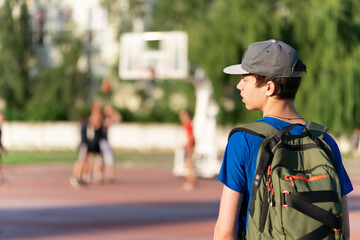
(344, 178)
(232, 172)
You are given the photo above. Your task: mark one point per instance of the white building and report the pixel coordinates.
(88, 17)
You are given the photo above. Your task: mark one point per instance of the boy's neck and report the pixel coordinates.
(283, 110)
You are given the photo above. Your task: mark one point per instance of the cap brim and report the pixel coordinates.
(235, 69)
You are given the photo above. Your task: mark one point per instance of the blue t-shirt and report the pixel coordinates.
(240, 158)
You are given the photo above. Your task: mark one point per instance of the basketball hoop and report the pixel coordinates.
(163, 52)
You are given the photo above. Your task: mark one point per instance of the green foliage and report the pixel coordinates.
(123, 13)
(325, 33)
(63, 84)
(173, 96)
(177, 15)
(328, 42)
(49, 93)
(54, 93)
(15, 47)
(56, 90)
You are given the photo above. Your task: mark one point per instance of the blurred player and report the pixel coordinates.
(111, 116)
(77, 178)
(185, 119)
(89, 164)
(94, 162)
(2, 150)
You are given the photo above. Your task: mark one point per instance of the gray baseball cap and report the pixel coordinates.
(271, 58)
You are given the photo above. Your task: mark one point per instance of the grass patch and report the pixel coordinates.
(127, 159)
(38, 157)
(136, 159)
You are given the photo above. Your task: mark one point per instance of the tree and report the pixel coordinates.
(178, 15)
(49, 93)
(326, 35)
(15, 47)
(123, 13)
(60, 91)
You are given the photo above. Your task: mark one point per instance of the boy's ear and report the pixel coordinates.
(270, 88)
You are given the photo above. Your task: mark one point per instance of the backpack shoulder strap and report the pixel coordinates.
(316, 132)
(316, 129)
(259, 129)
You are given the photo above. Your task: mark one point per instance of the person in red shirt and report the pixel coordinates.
(185, 119)
(2, 149)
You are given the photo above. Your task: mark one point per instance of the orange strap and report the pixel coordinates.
(269, 170)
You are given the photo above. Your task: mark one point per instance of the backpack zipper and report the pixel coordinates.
(306, 171)
(291, 178)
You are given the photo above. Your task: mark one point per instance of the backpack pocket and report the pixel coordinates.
(306, 178)
(310, 202)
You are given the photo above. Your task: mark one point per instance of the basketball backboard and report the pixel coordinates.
(148, 55)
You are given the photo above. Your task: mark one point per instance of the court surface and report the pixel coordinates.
(37, 202)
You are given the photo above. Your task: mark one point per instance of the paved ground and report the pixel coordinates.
(37, 202)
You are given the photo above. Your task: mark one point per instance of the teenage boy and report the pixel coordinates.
(271, 74)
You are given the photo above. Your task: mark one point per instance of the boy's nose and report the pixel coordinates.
(239, 86)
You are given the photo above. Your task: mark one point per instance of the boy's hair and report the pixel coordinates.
(285, 87)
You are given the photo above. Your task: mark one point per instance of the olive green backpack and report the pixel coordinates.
(296, 193)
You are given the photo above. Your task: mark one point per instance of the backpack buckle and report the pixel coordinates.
(283, 198)
(338, 224)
